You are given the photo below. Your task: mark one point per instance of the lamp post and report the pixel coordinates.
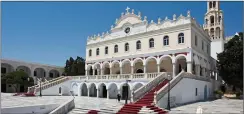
(40, 87)
(169, 78)
(127, 92)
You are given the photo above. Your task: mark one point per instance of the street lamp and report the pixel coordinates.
(40, 87)
(169, 78)
(127, 92)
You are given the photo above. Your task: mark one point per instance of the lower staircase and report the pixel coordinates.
(145, 102)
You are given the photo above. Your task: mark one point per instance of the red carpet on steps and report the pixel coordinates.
(147, 101)
(92, 112)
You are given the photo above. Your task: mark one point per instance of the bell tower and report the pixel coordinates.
(214, 26)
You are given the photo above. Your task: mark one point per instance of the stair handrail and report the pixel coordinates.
(144, 89)
(160, 93)
(58, 81)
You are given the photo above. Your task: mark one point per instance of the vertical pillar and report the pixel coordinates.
(203, 71)
(144, 68)
(97, 93)
(197, 70)
(174, 69)
(86, 72)
(158, 66)
(107, 93)
(110, 71)
(88, 93)
(102, 71)
(121, 71)
(93, 72)
(189, 67)
(132, 69)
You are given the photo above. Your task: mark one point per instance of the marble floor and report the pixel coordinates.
(217, 106)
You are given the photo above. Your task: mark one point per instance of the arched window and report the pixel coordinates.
(210, 4)
(97, 52)
(106, 50)
(211, 19)
(126, 46)
(181, 38)
(166, 40)
(219, 19)
(90, 52)
(151, 43)
(138, 44)
(206, 21)
(116, 49)
(214, 4)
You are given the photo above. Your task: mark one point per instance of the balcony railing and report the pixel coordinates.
(117, 76)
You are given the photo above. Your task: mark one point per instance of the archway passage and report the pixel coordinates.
(151, 65)
(6, 68)
(126, 67)
(25, 69)
(106, 69)
(166, 64)
(84, 91)
(39, 73)
(139, 71)
(102, 91)
(115, 68)
(74, 89)
(181, 64)
(93, 90)
(113, 91)
(138, 66)
(97, 69)
(53, 73)
(89, 70)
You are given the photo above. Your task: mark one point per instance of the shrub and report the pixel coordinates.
(218, 92)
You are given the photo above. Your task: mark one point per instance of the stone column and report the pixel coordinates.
(86, 72)
(93, 72)
(189, 67)
(132, 69)
(110, 71)
(203, 71)
(97, 93)
(107, 93)
(158, 66)
(88, 93)
(102, 71)
(121, 71)
(197, 70)
(145, 68)
(174, 69)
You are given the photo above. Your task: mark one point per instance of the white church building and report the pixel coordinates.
(137, 54)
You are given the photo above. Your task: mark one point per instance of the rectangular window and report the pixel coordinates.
(202, 45)
(196, 91)
(3, 70)
(196, 40)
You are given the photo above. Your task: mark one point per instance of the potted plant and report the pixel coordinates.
(218, 94)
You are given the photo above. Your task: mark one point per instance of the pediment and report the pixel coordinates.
(128, 19)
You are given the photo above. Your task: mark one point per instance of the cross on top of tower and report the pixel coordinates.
(127, 9)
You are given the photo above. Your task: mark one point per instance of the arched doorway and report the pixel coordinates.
(102, 90)
(93, 90)
(180, 62)
(113, 90)
(115, 67)
(53, 73)
(84, 91)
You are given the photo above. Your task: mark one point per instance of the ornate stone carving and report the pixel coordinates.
(159, 20)
(174, 17)
(132, 11)
(145, 18)
(188, 13)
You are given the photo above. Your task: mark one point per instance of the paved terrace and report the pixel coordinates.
(220, 106)
(8, 100)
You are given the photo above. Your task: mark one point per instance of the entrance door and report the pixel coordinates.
(22, 88)
(3, 88)
(104, 92)
(124, 92)
(205, 92)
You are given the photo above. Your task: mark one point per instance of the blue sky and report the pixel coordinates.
(51, 32)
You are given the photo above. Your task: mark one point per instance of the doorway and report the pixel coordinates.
(3, 88)
(125, 91)
(22, 88)
(104, 92)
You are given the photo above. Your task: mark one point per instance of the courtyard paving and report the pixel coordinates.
(219, 106)
(7, 100)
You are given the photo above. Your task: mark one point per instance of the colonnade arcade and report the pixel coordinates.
(152, 64)
(107, 90)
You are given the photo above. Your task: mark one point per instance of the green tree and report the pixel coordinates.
(17, 78)
(75, 67)
(230, 62)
